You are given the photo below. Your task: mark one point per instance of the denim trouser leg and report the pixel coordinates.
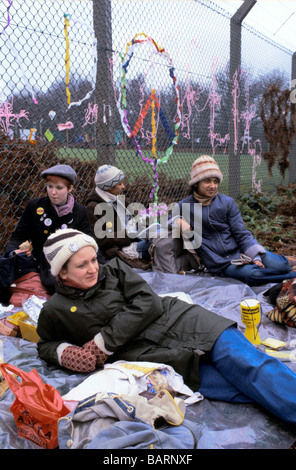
(215, 387)
(143, 247)
(277, 269)
(264, 379)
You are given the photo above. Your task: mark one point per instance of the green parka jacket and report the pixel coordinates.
(136, 323)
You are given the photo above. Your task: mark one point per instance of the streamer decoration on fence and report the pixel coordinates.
(65, 126)
(78, 22)
(153, 103)
(91, 114)
(33, 141)
(8, 16)
(7, 116)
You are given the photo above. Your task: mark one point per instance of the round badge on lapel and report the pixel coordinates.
(40, 210)
(109, 226)
(47, 222)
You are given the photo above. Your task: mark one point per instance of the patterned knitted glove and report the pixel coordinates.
(78, 359)
(100, 355)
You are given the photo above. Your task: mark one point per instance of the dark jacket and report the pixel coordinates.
(38, 221)
(117, 236)
(224, 236)
(136, 323)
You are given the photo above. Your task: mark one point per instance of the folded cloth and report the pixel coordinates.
(131, 251)
(82, 427)
(242, 260)
(132, 378)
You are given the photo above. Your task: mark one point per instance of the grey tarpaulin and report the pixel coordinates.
(220, 425)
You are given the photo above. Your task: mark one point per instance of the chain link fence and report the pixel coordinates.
(146, 86)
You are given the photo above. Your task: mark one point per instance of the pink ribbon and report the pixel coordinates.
(67, 125)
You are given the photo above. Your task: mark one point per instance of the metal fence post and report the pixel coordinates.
(234, 67)
(105, 139)
(292, 156)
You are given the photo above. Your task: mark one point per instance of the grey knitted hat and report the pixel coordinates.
(63, 171)
(108, 176)
(62, 244)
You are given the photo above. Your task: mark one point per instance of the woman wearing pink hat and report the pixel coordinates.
(226, 247)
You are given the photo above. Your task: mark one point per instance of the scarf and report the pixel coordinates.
(203, 200)
(69, 283)
(117, 204)
(76, 287)
(108, 197)
(67, 208)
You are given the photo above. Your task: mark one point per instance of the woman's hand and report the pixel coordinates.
(25, 247)
(17, 252)
(259, 263)
(183, 226)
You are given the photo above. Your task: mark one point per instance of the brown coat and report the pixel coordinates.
(117, 236)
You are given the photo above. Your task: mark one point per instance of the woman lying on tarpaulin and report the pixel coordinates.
(107, 313)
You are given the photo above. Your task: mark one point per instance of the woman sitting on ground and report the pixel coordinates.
(107, 313)
(44, 215)
(111, 223)
(223, 244)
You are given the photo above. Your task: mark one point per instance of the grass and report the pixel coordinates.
(179, 165)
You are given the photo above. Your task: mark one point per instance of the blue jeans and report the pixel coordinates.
(240, 373)
(143, 247)
(276, 269)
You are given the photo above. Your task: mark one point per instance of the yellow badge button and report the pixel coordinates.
(40, 211)
(46, 232)
(109, 224)
(73, 309)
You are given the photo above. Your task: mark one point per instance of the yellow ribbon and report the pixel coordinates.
(67, 58)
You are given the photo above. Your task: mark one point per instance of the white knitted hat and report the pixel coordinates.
(107, 176)
(205, 167)
(62, 244)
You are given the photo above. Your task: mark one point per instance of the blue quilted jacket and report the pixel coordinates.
(223, 234)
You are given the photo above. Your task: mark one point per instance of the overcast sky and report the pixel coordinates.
(42, 48)
(274, 18)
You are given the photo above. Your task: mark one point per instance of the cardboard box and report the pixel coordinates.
(28, 331)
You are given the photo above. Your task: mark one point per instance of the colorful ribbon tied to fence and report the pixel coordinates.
(78, 23)
(152, 103)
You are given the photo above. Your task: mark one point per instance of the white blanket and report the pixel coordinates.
(132, 378)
